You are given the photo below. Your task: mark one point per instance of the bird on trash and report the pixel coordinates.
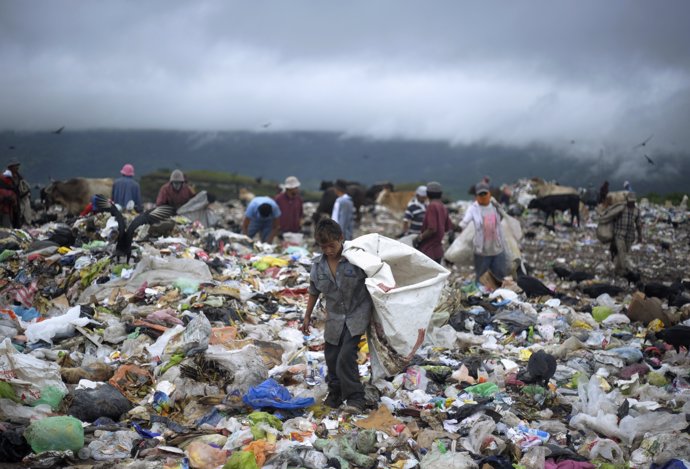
(123, 247)
(562, 272)
(540, 369)
(678, 336)
(580, 276)
(659, 290)
(649, 160)
(598, 289)
(632, 277)
(531, 285)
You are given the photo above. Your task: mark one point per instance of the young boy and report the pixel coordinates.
(348, 307)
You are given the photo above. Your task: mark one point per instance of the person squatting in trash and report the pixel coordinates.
(489, 243)
(348, 313)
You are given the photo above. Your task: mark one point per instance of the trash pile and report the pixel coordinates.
(191, 355)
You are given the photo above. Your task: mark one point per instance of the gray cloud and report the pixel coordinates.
(604, 74)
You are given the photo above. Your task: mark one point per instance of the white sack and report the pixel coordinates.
(155, 271)
(403, 312)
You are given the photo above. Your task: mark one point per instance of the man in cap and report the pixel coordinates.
(126, 189)
(414, 213)
(8, 200)
(435, 225)
(262, 216)
(175, 192)
(625, 226)
(290, 203)
(489, 244)
(23, 214)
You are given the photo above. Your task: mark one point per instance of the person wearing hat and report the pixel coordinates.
(489, 244)
(23, 214)
(625, 226)
(126, 189)
(8, 200)
(435, 225)
(262, 216)
(175, 192)
(414, 213)
(290, 203)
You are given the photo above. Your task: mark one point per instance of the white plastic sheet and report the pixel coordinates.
(56, 326)
(401, 314)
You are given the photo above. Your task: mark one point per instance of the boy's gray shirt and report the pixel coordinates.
(347, 299)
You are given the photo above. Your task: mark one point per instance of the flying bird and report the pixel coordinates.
(643, 144)
(266, 125)
(59, 131)
(649, 160)
(123, 247)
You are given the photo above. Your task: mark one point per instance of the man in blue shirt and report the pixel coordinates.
(126, 189)
(262, 216)
(344, 210)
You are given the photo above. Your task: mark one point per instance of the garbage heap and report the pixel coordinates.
(191, 356)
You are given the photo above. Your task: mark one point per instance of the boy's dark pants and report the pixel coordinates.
(343, 373)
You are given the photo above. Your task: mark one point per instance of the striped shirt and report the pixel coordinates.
(414, 213)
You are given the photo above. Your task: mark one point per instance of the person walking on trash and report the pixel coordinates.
(414, 213)
(23, 214)
(489, 242)
(344, 210)
(625, 226)
(291, 206)
(349, 310)
(126, 189)
(9, 205)
(436, 224)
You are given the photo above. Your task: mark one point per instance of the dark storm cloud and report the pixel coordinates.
(601, 74)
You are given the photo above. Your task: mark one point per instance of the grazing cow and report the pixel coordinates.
(395, 201)
(75, 194)
(355, 190)
(551, 203)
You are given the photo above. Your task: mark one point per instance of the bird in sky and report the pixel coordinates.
(643, 144)
(266, 125)
(59, 131)
(649, 160)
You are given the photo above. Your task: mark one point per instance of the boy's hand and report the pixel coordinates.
(305, 327)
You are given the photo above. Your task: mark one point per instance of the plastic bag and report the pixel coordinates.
(113, 445)
(271, 394)
(55, 434)
(57, 326)
(415, 378)
(104, 401)
(28, 375)
(241, 460)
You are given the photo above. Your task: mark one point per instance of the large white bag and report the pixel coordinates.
(462, 250)
(405, 286)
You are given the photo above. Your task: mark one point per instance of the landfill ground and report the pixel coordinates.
(191, 356)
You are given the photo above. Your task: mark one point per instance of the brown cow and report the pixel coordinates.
(75, 194)
(394, 201)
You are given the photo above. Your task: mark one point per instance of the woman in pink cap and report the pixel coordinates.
(126, 189)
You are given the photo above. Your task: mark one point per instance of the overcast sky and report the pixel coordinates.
(595, 77)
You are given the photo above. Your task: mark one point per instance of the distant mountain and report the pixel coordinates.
(312, 156)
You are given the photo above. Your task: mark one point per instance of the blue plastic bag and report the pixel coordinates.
(271, 394)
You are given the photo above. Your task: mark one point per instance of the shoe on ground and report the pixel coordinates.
(333, 400)
(355, 406)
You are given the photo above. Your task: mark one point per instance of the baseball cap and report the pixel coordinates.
(481, 187)
(421, 191)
